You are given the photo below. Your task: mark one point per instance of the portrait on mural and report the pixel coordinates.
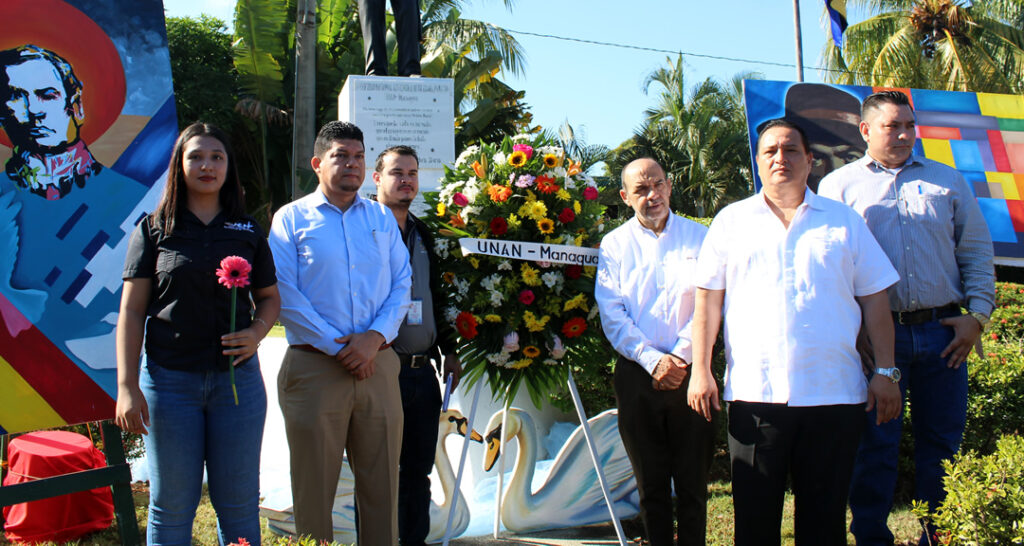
(979, 134)
(87, 119)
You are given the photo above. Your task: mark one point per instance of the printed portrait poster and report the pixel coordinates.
(979, 134)
(87, 123)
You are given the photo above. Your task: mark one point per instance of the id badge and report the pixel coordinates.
(415, 315)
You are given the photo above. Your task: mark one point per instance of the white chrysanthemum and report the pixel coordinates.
(441, 247)
(552, 279)
(472, 189)
(550, 362)
(522, 138)
(505, 265)
(498, 359)
(556, 150)
(462, 285)
(570, 184)
(491, 281)
(496, 298)
(499, 158)
(450, 313)
(464, 156)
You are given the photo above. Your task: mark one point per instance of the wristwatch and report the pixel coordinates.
(892, 374)
(982, 319)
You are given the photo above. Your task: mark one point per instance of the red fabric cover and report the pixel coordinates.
(58, 519)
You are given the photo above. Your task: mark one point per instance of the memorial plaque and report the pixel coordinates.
(416, 112)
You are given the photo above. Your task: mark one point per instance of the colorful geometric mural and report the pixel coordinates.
(979, 134)
(88, 121)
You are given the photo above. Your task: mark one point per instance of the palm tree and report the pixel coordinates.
(698, 135)
(939, 44)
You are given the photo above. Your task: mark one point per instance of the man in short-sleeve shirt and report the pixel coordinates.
(792, 274)
(343, 273)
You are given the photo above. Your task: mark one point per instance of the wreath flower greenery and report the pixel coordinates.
(519, 322)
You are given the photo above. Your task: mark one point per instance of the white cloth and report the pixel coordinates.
(339, 273)
(790, 314)
(645, 289)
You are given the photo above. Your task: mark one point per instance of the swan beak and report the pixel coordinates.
(493, 444)
(462, 424)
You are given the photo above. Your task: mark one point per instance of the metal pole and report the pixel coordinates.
(594, 457)
(799, 42)
(462, 464)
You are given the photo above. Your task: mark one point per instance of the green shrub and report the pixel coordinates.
(984, 497)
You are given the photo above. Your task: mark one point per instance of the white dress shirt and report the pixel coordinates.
(339, 273)
(645, 289)
(790, 314)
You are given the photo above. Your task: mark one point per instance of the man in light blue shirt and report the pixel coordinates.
(344, 276)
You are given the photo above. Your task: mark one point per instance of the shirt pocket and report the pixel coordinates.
(168, 261)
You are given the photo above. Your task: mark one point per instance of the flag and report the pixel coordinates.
(837, 15)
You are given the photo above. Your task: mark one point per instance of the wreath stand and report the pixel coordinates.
(501, 463)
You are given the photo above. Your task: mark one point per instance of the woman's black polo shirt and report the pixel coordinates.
(188, 310)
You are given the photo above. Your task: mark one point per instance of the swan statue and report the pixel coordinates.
(571, 495)
(450, 422)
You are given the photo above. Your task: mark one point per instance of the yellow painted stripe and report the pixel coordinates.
(23, 409)
(939, 150)
(1007, 181)
(1001, 106)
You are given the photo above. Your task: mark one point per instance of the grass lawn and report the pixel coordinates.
(720, 530)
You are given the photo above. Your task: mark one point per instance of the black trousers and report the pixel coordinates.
(407, 29)
(667, 443)
(816, 446)
(421, 402)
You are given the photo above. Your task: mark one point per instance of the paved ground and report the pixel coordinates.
(590, 535)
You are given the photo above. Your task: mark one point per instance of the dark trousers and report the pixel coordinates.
(816, 446)
(667, 443)
(407, 30)
(421, 402)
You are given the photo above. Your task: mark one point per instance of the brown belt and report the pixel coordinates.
(311, 349)
(912, 318)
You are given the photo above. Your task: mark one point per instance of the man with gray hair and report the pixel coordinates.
(645, 293)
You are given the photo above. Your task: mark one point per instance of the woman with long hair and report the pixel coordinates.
(184, 393)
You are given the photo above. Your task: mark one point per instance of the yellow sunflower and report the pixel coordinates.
(550, 161)
(531, 351)
(517, 159)
(546, 225)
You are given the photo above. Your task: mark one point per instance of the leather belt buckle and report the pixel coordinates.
(418, 361)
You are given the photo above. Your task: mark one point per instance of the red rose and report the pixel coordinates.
(499, 226)
(590, 193)
(566, 216)
(526, 297)
(573, 271)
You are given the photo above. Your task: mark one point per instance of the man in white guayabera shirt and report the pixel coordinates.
(645, 293)
(792, 274)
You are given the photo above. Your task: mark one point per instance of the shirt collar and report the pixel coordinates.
(869, 162)
(668, 224)
(318, 199)
(811, 199)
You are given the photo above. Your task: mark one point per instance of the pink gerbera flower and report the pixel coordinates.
(234, 272)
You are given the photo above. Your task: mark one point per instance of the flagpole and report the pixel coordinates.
(799, 42)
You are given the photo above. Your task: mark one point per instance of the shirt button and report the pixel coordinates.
(908, 248)
(910, 274)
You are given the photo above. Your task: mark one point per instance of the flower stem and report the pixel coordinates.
(231, 358)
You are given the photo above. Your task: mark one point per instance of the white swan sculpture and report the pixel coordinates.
(571, 494)
(450, 422)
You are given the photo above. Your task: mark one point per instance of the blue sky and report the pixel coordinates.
(599, 89)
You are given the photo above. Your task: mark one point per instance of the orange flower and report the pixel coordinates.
(574, 327)
(499, 194)
(448, 277)
(574, 168)
(466, 323)
(478, 169)
(546, 184)
(456, 221)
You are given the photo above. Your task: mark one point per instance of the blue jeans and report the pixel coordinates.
(938, 403)
(194, 420)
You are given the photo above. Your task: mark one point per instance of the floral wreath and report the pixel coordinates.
(519, 321)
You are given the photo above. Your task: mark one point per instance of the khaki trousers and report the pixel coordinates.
(327, 411)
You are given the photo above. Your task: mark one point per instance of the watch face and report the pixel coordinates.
(896, 375)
